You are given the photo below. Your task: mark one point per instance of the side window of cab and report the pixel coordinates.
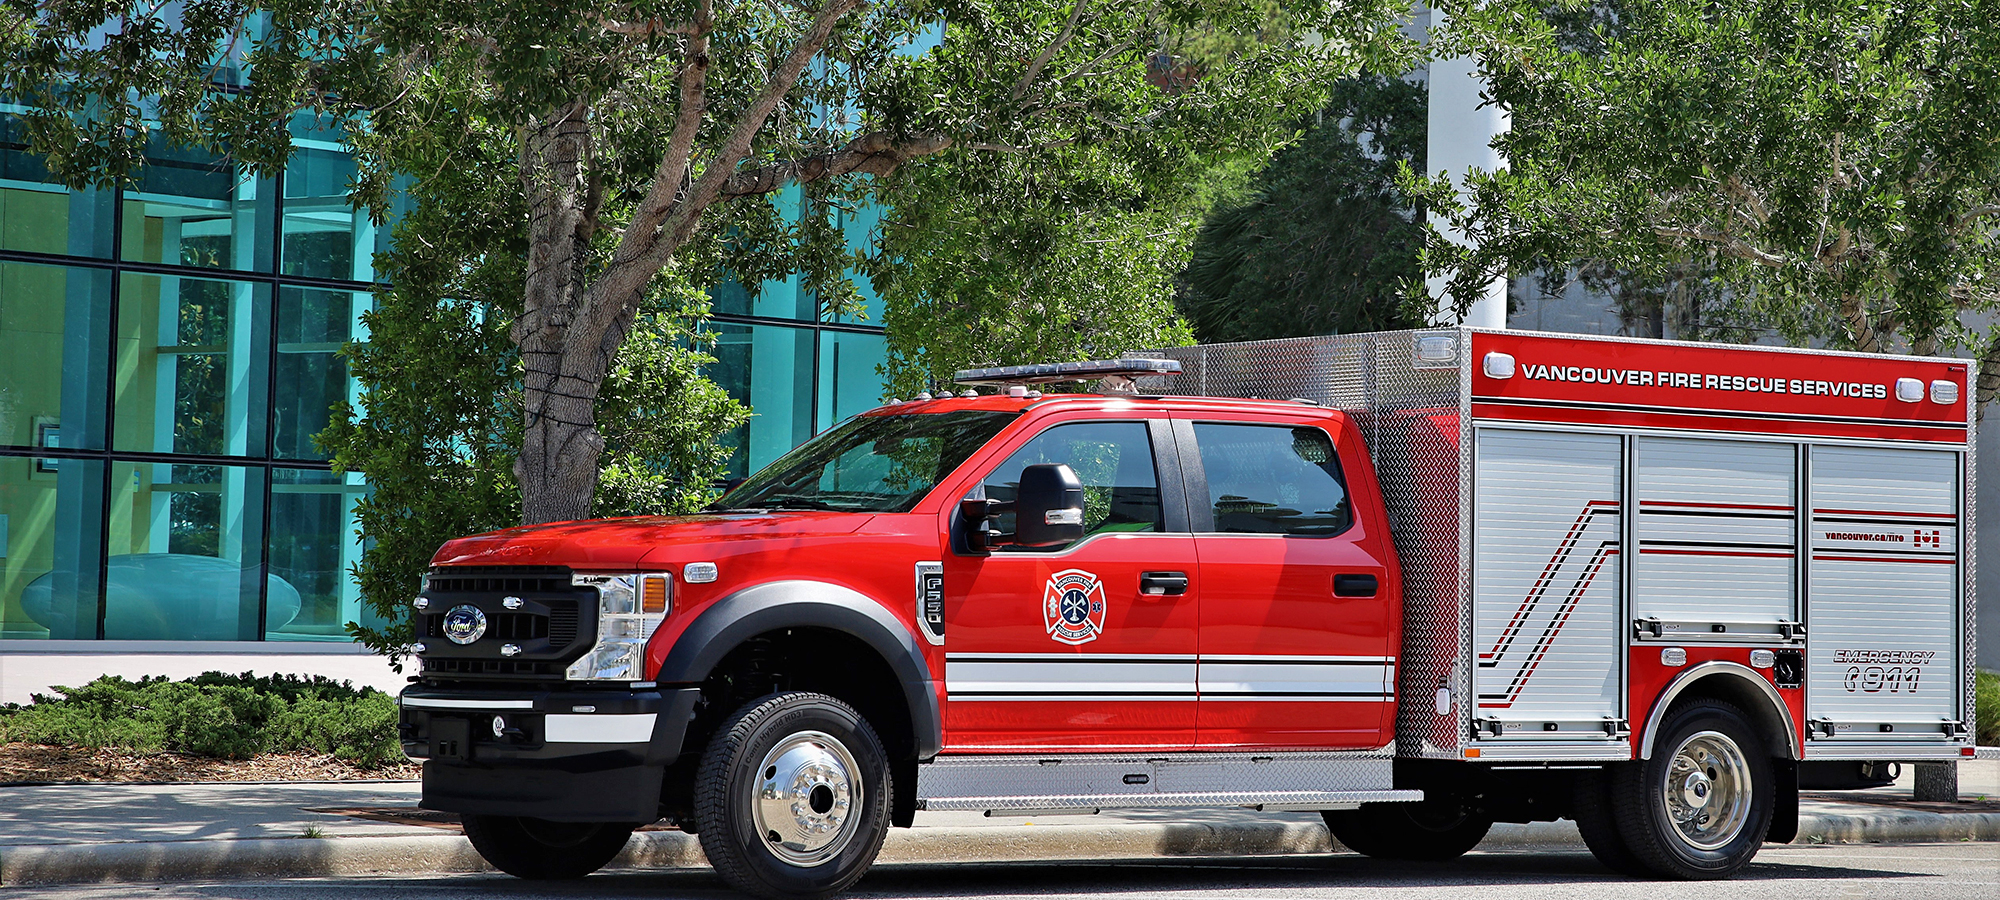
(1273, 479)
(1113, 460)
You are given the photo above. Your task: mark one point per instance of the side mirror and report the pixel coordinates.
(1048, 510)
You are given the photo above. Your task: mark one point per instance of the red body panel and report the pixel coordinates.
(1579, 380)
(1647, 678)
(1271, 596)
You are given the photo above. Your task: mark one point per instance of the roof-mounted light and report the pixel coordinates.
(1045, 373)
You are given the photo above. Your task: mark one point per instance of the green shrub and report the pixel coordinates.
(1986, 709)
(215, 715)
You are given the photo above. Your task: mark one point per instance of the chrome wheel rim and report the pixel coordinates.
(807, 797)
(1707, 790)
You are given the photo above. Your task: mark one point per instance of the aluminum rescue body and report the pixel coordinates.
(1459, 577)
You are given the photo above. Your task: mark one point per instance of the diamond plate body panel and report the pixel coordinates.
(1413, 415)
(1014, 781)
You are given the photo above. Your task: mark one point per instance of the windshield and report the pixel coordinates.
(869, 463)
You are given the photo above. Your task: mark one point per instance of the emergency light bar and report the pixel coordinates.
(1044, 373)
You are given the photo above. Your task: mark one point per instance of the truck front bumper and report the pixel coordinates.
(566, 756)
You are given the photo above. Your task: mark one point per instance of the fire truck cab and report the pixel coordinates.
(1431, 581)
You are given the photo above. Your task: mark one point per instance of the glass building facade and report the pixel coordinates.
(168, 352)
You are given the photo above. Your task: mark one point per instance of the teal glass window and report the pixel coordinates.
(770, 369)
(850, 380)
(309, 372)
(184, 555)
(54, 324)
(52, 538)
(324, 236)
(193, 365)
(191, 208)
(39, 217)
(313, 546)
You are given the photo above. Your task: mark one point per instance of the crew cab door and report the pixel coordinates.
(1298, 617)
(1090, 646)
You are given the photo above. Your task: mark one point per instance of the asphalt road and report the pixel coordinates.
(1954, 871)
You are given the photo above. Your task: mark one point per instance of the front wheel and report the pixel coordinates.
(1699, 808)
(541, 850)
(1431, 830)
(793, 797)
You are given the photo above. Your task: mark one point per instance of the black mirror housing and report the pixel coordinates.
(1048, 509)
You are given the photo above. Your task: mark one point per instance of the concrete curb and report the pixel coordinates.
(450, 854)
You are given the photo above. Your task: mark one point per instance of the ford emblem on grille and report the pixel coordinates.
(464, 624)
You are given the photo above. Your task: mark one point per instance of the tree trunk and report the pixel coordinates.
(560, 445)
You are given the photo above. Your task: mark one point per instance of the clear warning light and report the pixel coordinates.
(1498, 365)
(1945, 392)
(1909, 390)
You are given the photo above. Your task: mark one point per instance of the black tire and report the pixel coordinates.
(1591, 807)
(1422, 831)
(819, 753)
(1712, 769)
(541, 850)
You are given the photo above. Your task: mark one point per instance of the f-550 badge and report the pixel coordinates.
(1073, 606)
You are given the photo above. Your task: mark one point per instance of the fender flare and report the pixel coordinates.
(773, 605)
(1719, 668)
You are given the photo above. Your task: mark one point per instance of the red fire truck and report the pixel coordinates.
(1420, 581)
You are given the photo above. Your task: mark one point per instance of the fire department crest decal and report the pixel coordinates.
(1073, 606)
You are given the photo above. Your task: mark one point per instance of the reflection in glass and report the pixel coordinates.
(53, 324)
(311, 376)
(191, 208)
(313, 546)
(185, 545)
(52, 537)
(770, 369)
(192, 365)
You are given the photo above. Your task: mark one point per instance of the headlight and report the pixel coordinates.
(629, 609)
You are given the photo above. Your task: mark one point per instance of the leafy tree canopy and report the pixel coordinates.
(1322, 241)
(639, 130)
(1835, 162)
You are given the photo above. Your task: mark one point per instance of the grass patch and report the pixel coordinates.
(216, 716)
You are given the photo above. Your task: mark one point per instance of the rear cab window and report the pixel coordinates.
(1272, 479)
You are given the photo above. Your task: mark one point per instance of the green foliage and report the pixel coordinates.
(1836, 163)
(1055, 234)
(1987, 709)
(215, 715)
(1322, 241)
(660, 419)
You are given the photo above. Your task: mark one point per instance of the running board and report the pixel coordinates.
(1267, 800)
(1289, 780)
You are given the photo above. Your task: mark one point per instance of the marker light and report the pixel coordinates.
(653, 594)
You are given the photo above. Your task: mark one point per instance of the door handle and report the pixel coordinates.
(1354, 586)
(1163, 584)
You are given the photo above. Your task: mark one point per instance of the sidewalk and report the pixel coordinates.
(121, 833)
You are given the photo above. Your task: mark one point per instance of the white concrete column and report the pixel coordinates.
(1460, 139)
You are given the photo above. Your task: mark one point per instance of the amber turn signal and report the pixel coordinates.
(653, 594)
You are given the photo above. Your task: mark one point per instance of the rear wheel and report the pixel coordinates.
(1430, 830)
(793, 797)
(541, 850)
(1699, 808)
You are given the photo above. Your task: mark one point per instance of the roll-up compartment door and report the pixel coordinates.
(1718, 540)
(1546, 581)
(1882, 610)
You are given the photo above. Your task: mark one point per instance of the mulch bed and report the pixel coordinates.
(46, 764)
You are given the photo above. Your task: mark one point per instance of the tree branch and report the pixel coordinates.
(1733, 246)
(671, 176)
(654, 26)
(875, 153)
(1035, 67)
